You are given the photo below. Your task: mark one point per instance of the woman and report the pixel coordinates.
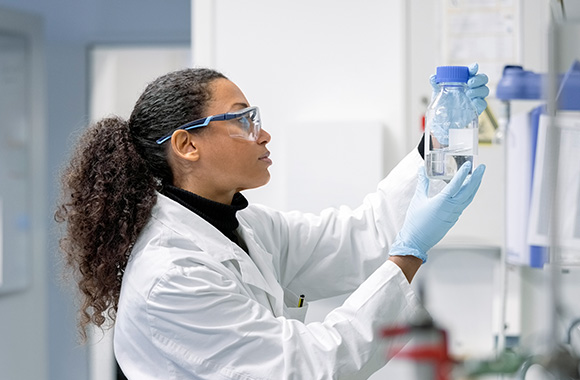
(202, 286)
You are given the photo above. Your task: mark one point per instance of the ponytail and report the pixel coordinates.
(109, 186)
(107, 197)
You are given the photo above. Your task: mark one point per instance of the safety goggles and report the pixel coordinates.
(244, 124)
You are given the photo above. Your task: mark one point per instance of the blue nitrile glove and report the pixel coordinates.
(429, 219)
(477, 89)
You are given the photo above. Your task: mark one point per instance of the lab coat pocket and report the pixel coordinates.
(291, 309)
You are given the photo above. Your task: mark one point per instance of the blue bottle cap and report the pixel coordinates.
(452, 74)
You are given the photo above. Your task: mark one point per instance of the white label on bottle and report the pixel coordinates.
(462, 141)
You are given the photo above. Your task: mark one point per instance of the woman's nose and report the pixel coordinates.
(264, 137)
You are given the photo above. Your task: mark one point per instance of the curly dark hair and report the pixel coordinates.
(108, 187)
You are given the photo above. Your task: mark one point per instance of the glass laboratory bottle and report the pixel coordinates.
(451, 125)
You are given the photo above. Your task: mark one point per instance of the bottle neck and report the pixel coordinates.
(453, 85)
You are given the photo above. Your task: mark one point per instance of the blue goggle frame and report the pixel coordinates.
(248, 128)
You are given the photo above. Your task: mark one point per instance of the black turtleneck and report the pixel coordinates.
(421, 147)
(219, 215)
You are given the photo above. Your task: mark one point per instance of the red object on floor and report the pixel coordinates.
(437, 354)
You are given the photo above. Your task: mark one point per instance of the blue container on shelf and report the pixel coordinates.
(519, 84)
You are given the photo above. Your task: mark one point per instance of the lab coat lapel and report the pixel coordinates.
(252, 267)
(263, 265)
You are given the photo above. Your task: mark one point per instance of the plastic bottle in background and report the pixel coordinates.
(451, 130)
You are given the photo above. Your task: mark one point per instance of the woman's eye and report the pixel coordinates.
(244, 122)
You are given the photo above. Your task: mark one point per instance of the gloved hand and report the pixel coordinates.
(429, 219)
(477, 89)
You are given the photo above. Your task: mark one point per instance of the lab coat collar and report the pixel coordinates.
(256, 269)
(192, 226)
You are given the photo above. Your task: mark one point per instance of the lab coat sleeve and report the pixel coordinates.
(334, 252)
(207, 327)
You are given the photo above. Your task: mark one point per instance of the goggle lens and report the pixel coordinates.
(247, 125)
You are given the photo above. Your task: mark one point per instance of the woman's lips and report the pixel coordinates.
(266, 158)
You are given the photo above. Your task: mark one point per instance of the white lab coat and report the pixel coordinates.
(194, 305)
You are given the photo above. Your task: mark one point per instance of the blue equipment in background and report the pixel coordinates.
(519, 84)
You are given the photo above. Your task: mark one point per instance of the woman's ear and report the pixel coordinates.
(184, 146)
